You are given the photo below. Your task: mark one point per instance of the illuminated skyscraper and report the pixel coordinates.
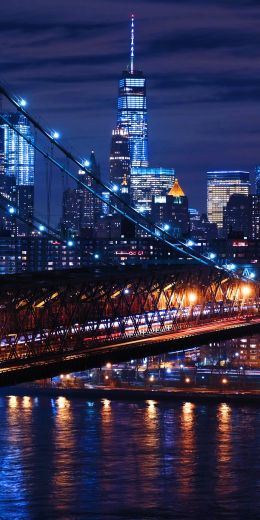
(18, 154)
(17, 168)
(170, 211)
(119, 162)
(80, 207)
(236, 216)
(254, 201)
(132, 109)
(147, 183)
(257, 174)
(221, 185)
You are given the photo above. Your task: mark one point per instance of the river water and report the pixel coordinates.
(78, 459)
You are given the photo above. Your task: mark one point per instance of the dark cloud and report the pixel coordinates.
(203, 39)
(202, 62)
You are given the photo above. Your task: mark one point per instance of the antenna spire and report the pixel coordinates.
(132, 53)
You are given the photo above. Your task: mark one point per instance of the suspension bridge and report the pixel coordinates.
(72, 319)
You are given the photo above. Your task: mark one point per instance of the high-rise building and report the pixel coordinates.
(147, 183)
(171, 211)
(257, 178)
(132, 109)
(119, 161)
(17, 158)
(18, 153)
(70, 212)
(236, 221)
(200, 227)
(89, 205)
(80, 207)
(254, 202)
(221, 185)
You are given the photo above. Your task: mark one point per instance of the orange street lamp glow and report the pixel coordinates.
(192, 297)
(246, 290)
(224, 381)
(187, 380)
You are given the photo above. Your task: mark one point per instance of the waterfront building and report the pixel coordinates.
(220, 186)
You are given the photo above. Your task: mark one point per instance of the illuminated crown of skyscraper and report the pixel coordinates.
(176, 190)
(132, 110)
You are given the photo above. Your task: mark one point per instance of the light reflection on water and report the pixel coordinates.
(71, 458)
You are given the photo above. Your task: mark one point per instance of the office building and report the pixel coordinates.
(119, 161)
(170, 211)
(147, 183)
(257, 178)
(18, 153)
(132, 109)
(236, 220)
(220, 186)
(17, 165)
(80, 207)
(89, 205)
(70, 222)
(201, 228)
(254, 205)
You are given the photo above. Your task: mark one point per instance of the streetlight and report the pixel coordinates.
(55, 135)
(230, 267)
(246, 290)
(23, 103)
(192, 297)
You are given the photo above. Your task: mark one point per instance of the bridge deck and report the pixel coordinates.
(55, 364)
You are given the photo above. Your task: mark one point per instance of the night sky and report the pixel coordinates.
(201, 60)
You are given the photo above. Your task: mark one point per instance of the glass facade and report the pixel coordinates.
(257, 174)
(18, 154)
(220, 186)
(80, 207)
(17, 165)
(132, 115)
(255, 216)
(119, 161)
(147, 183)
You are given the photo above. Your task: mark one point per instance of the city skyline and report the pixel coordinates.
(202, 78)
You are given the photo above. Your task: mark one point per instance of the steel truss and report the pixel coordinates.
(47, 313)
